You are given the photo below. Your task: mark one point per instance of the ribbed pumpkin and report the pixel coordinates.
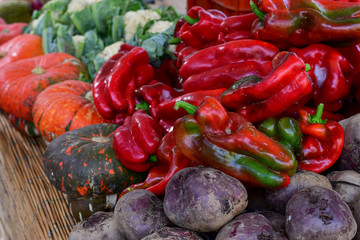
(23, 80)
(23, 126)
(8, 31)
(63, 107)
(82, 163)
(20, 47)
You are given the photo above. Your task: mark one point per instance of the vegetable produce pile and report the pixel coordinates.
(202, 126)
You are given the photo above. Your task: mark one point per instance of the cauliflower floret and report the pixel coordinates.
(132, 19)
(78, 5)
(77, 39)
(110, 50)
(160, 26)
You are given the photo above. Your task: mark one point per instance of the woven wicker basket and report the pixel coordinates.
(30, 207)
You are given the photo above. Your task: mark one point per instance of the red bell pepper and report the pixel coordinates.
(322, 141)
(330, 72)
(131, 71)
(101, 101)
(170, 161)
(236, 27)
(166, 114)
(258, 99)
(214, 137)
(155, 93)
(167, 73)
(184, 54)
(226, 75)
(115, 83)
(223, 54)
(352, 54)
(136, 141)
(201, 27)
(299, 23)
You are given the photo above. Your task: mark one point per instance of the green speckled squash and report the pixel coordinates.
(82, 163)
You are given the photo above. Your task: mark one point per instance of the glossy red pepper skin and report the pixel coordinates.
(137, 139)
(101, 100)
(167, 73)
(236, 27)
(322, 143)
(155, 93)
(352, 54)
(115, 84)
(184, 54)
(233, 132)
(234, 51)
(131, 71)
(299, 23)
(225, 140)
(167, 114)
(170, 161)
(205, 28)
(260, 99)
(226, 75)
(330, 72)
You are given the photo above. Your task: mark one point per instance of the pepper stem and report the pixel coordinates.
(174, 41)
(89, 96)
(307, 67)
(142, 105)
(3, 54)
(317, 117)
(189, 108)
(38, 71)
(152, 159)
(190, 20)
(257, 11)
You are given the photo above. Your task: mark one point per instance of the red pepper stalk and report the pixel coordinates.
(167, 115)
(213, 137)
(322, 141)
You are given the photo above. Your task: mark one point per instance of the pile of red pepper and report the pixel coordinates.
(257, 96)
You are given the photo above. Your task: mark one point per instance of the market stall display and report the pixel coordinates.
(130, 99)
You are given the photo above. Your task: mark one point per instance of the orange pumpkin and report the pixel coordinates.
(20, 47)
(8, 31)
(63, 107)
(23, 80)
